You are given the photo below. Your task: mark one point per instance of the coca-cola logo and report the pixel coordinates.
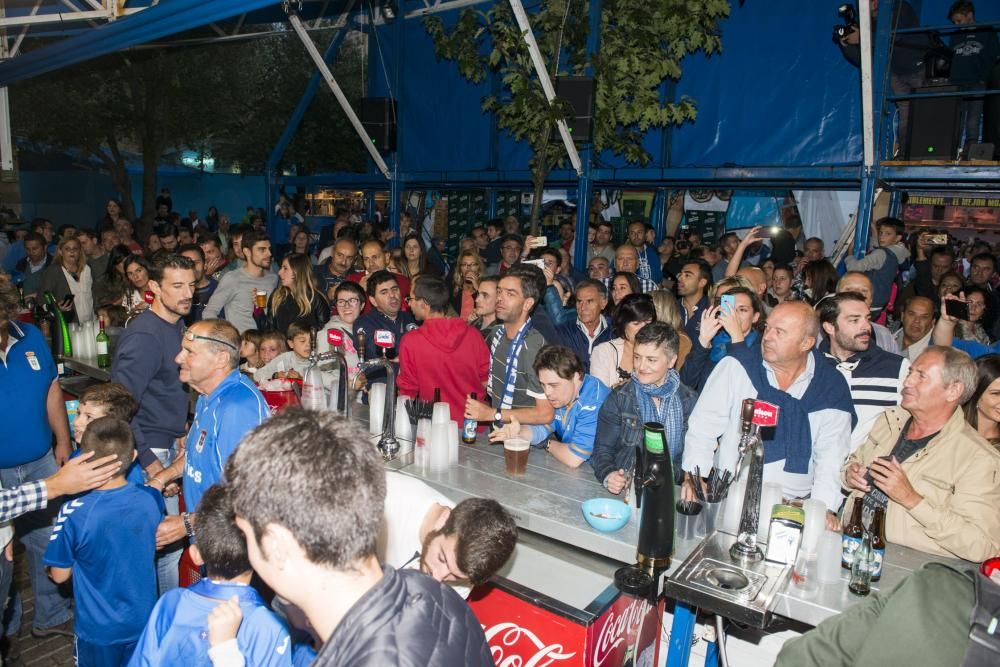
(765, 414)
(616, 629)
(503, 639)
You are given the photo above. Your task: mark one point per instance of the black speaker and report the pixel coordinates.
(991, 110)
(578, 91)
(934, 125)
(378, 115)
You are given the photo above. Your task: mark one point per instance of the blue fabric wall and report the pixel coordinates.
(779, 94)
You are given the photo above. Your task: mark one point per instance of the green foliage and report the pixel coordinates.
(642, 43)
(229, 101)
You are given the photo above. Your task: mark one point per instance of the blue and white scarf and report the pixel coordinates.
(510, 374)
(671, 410)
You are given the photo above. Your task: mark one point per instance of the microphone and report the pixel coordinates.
(335, 337)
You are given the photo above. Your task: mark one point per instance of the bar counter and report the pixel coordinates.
(546, 501)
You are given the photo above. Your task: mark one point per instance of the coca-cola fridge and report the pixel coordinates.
(557, 605)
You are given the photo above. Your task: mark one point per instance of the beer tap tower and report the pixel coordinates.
(387, 443)
(336, 353)
(745, 548)
(654, 489)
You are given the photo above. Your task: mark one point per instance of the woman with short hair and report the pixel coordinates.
(654, 393)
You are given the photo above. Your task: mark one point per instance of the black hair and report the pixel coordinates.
(704, 270)
(829, 308)
(379, 277)
(221, 543)
(984, 257)
(895, 223)
(987, 371)
(191, 247)
(961, 7)
(636, 307)
(532, 280)
(168, 261)
(487, 534)
(166, 229)
(560, 360)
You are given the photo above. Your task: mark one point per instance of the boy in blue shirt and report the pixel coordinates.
(197, 626)
(106, 540)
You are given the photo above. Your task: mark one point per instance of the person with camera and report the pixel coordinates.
(906, 67)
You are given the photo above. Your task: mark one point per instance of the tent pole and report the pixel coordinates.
(317, 58)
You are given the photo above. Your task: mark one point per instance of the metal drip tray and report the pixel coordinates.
(711, 580)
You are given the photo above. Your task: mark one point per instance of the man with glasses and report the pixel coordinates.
(511, 246)
(599, 268)
(386, 315)
(144, 363)
(229, 406)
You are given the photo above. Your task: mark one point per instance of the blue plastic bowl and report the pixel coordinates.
(606, 514)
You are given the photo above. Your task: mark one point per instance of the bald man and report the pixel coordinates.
(757, 280)
(816, 415)
(918, 323)
(855, 281)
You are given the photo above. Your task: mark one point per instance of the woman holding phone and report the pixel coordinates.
(735, 318)
(69, 280)
(465, 281)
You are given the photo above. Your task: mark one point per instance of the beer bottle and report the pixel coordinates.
(469, 427)
(861, 568)
(878, 542)
(853, 533)
(103, 358)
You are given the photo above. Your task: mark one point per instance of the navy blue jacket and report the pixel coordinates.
(570, 335)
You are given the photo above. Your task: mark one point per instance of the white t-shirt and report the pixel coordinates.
(407, 502)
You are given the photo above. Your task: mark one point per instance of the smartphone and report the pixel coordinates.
(868, 475)
(539, 242)
(937, 239)
(957, 309)
(728, 303)
(535, 262)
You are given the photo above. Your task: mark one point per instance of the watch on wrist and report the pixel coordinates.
(185, 517)
(498, 416)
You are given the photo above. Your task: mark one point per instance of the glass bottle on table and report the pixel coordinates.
(861, 568)
(469, 427)
(853, 532)
(103, 356)
(878, 542)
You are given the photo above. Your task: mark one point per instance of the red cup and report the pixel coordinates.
(279, 400)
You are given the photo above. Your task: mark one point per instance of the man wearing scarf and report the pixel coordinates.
(815, 418)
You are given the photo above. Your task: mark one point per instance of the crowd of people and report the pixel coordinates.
(877, 400)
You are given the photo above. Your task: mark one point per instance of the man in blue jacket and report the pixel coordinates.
(590, 327)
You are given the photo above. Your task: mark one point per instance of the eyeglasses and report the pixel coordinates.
(347, 302)
(192, 336)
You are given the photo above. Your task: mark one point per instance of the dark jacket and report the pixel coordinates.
(907, 50)
(698, 365)
(371, 322)
(407, 618)
(571, 335)
(619, 432)
(288, 312)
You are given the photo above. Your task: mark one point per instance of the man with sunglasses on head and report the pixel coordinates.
(144, 363)
(229, 406)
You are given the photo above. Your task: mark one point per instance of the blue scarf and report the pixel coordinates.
(791, 439)
(670, 412)
(720, 344)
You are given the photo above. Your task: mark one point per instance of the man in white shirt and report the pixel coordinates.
(462, 545)
(814, 401)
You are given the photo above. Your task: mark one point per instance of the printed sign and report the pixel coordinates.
(384, 338)
(765, 414)
(335, 337)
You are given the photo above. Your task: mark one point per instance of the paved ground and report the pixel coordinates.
(47, 652)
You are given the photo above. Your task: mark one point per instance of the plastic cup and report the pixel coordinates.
(815, 524)
(376, 408)
(515, 455)
(828, 558)
(452, 442)
(441, 414)
(260, 299)
(421, 444)
(687, 520)
(404, 429)
(439, 447)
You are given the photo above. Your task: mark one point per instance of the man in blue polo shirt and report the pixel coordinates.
(576, 399)
(228, 408)
(33, 404)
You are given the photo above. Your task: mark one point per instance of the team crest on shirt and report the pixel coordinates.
(32, 361)
(200, 443)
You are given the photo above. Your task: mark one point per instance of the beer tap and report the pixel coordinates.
(754, 414)
(654, 480)
(336, 339)
(387, 444)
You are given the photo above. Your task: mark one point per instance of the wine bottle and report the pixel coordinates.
(103, 358)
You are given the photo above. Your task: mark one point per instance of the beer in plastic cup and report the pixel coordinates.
(515, 455)
(260, 299)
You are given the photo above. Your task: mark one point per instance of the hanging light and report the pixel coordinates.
(389, 10)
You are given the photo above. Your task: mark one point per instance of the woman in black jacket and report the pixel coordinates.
(297, 297)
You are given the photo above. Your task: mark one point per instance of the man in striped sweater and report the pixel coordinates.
(874, 375)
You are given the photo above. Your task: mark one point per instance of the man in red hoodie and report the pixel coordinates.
(445, 353)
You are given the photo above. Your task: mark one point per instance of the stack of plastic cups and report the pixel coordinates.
(769, 497)
(805, 574)
(376, 408)
(439, 446)
(89, 339)
(421, 443)
(828, 559)
(453, 442)
(441, 414)
(404, 429)
(75, 338)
